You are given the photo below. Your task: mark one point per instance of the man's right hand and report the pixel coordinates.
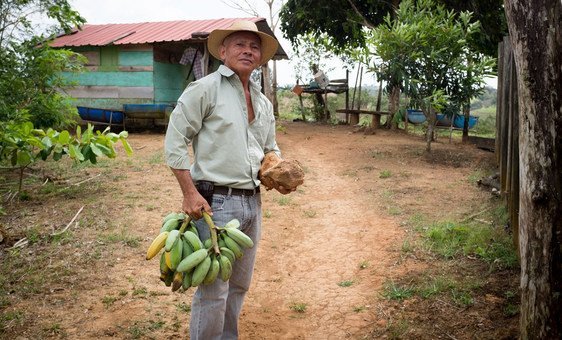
(194, 205)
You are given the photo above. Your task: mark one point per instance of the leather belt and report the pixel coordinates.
(236, 192)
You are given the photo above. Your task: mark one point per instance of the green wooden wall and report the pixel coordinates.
(169, 82)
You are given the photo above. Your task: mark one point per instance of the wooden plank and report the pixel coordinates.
(144, 92)
(114, 78)
(93, 58)
(97, 92)
(136, 68)
(92, 91)
(139, 47)
(366, 112)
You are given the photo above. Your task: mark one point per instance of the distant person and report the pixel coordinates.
(231, 126)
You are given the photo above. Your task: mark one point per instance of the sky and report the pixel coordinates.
(132, 11)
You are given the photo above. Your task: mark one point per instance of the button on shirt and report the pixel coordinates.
(212, 115)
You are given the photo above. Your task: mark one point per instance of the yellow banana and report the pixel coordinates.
(156, 245)
(163, 266)
(168, 259)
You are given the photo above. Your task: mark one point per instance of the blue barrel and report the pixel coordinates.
(415, 116)
(459, 121)
(443, 120)
(100, 115)
(145, 107)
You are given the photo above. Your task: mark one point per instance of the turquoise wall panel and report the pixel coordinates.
(135, 58)
(169, 82)
(114, 78)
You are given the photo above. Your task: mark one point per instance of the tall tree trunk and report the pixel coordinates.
(536, 36)
(274, 89)
(431, 119)
(394, 105)
(466, 112)
(266, 75)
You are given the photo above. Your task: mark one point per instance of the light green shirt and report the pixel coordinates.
(212, 115)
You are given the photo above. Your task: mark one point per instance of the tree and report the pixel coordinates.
(30, 69)
(344, 21)
(537, 45)
(29, 91)
(424, 47)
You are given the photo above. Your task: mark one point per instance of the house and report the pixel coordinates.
(137, 71)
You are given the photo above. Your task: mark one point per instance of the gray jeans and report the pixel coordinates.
(215, 308)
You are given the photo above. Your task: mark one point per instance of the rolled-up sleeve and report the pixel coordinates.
(184, 123)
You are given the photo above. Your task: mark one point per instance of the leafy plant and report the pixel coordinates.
(21, 145)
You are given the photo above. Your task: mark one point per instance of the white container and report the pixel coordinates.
(321, 79)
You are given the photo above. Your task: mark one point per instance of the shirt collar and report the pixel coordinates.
(227, 72)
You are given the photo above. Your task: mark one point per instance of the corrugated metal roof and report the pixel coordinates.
(150, 32)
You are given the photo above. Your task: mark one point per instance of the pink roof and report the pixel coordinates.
(151, 32)
(140, 33)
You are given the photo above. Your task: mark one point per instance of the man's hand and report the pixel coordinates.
(283, 175)
(193, 203)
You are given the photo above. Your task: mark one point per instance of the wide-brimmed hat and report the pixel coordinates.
(268, 43)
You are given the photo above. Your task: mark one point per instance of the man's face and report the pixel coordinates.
(241, 52)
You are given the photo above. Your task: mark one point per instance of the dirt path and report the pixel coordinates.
(326, 249)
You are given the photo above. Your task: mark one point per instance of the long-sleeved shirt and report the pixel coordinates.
(213, 116)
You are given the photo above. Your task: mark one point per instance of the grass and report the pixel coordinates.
(108, 301)
(385, 174)
(283, 200)
(492, 245)
(183, 307)
(345, 283)
(394, 291)
(359, 309)
(299, 307)
(309, 213)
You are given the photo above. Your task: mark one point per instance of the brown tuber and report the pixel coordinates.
(283, 175)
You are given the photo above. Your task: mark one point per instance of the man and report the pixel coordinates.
(231, 127)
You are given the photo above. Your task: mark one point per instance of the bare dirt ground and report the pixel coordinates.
(326, 252)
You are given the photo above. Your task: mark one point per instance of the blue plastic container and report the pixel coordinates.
(443, 120)
(415, 116)
(143, 108)
(100, 115)
(458, 122)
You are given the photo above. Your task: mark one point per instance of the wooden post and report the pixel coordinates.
(376, 120)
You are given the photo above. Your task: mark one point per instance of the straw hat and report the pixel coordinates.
(268, 43)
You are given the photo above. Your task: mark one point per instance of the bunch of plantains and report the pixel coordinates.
(189, 262)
